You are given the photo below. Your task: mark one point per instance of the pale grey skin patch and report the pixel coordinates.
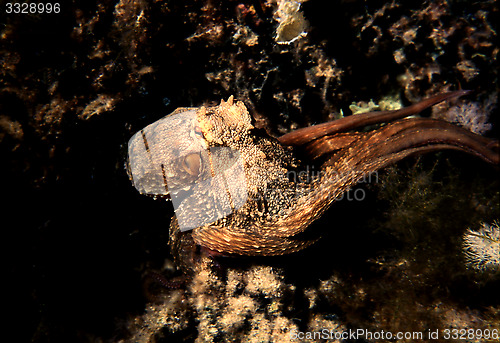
(170, 157)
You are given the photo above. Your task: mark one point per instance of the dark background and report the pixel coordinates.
(76, 85)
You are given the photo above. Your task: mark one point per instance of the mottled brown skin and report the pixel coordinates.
(273, 225)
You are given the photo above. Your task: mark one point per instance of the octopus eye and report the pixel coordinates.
(198, 131)
(192, 164)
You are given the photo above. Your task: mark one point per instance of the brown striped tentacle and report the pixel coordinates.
(308, 134)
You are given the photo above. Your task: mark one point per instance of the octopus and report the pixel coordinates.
(259, 193)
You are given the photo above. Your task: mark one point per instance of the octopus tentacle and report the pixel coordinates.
(424, 134)
(308, 134)
(248, 243)
(374, 150)
(327, 145)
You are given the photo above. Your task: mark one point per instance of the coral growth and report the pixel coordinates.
(482, 247)
(248, 304)
(292, 24)
(473, 116)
